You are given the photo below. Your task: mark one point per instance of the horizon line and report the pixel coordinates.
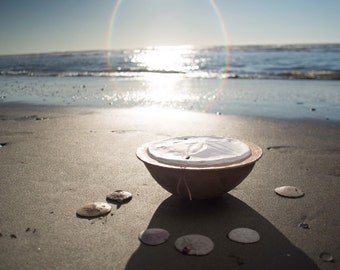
(175, 46)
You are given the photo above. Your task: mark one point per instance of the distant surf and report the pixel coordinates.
(310, 61)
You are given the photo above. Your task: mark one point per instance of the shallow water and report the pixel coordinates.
(287, 99)
(266, 81)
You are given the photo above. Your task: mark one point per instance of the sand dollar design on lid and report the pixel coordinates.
(199, 151)
(94, 209)
(244, 235)
(289, 192)
(154, 236)
(194, 244)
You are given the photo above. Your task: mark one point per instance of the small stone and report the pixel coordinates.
(194, 244)
(289, 192)
(119, 196)
(154, 236)
(304, 226)
(13, 236)
(326, 257)
(40, 118)
(94, 209)
(244, 235)
(239, 260)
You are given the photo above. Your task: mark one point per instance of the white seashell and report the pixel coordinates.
(289, 191)
(119, 196)
(94, 209)
(154, 236)
(244, 235)
(194, 244)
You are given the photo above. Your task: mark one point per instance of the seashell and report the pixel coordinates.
(194, 244)
(154, 236)
(289, 192)
(244, 235)
(326, 257)
(119, 196)
(94, 209)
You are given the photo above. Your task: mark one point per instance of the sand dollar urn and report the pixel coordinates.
(199, 167)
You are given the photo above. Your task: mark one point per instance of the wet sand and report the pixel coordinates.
(53, 160)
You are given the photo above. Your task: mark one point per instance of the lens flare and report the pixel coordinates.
(168, 59)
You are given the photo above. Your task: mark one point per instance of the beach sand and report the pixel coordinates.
(53, 160)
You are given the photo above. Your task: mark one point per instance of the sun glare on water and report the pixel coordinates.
(171, 59)
(165, 68)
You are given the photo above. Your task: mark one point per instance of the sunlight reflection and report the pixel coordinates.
(166, 59)
(165, 88)
(165, 67)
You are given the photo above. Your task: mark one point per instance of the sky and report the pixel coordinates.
(38, 26)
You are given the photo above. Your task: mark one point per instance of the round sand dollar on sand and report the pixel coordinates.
(244, 235)
(194, 244)
(94, 209)
(119, 196)
(289, 192)
(154, 236)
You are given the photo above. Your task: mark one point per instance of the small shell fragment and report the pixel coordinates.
(119, 196)
(326, 257)
(194, 244)
(244, 235)
(154, 236)
(289, 191)
(94, 209)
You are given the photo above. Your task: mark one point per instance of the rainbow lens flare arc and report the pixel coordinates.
(157, 66)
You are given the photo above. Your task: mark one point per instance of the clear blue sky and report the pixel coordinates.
(72, 25)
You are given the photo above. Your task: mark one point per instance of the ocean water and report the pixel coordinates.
(283, 81)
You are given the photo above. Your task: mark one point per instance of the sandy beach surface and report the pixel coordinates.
(53, 160)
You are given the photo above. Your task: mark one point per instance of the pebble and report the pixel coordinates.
(154, 236)
(289, 192)
(94, 209)
(244, 235)
(119, 196)
(194, 244)
(326, 257)
(304, 226)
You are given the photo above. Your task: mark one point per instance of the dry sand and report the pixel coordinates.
(55, 159)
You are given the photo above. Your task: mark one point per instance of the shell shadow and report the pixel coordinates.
(215, 218)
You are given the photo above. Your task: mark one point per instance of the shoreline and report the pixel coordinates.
(280, 99)
(55, 159)
(55, 107)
